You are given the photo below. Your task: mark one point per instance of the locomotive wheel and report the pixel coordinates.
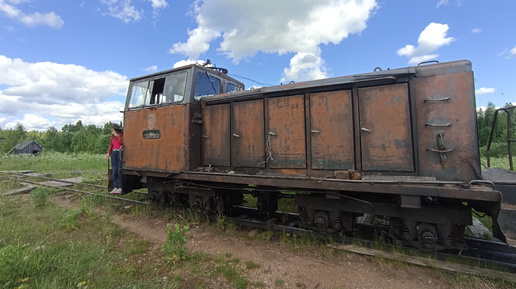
(321, 219)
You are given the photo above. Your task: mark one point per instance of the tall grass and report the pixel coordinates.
(50, 247)
(52, 162)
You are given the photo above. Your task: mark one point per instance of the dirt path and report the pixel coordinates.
(297, 269)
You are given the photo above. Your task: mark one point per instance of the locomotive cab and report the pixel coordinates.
(162, 112)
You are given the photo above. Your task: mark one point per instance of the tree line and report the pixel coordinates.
(78, 138)
(485, 124)
(72, 138)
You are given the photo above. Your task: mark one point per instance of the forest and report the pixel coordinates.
(80, 138)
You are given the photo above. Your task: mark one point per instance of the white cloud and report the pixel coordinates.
(476, 30)
(157, 5)
(152, 68)
(512, 52)
(31, 122)
(305, 66)
(442, 2)
(188, 62)
(47, 82)
(59, 93)
(122, 9)
(292, 26)
(484, 90)
(127, 12)
(431, 39)
(34, 19)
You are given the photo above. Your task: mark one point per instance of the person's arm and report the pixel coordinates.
(110, 148)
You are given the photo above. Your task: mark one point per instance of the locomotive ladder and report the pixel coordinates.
(441, 145)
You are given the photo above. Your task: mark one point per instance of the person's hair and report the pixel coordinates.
(117, 128)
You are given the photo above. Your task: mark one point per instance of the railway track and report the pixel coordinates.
(484, 253)
(23, 177)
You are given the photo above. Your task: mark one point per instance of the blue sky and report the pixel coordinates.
(67, 60)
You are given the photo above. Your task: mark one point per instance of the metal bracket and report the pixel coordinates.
(441, 149)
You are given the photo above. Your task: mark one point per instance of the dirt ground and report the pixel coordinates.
(297, 269)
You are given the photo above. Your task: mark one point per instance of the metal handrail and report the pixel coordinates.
(509, 140)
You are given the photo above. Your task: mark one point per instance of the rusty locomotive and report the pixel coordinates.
(400, 145)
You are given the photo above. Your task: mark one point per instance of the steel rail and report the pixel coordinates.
(65, 181)
(79, 191)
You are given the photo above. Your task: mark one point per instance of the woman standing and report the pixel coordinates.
(116, 144)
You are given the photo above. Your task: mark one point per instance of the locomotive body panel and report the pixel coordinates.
(447, 128)
(216, 136)
(286, 139)
(331, 132)
(247, 139)
(385, 130)
(158, 139)
(410, 123)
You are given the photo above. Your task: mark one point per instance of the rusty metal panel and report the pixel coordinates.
(332, 130)
(446, 122)
(216, 135)
(385, 129)
(166, 149)
(286, 117)
(247, 138)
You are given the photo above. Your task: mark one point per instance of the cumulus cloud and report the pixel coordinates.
(431, 39)
(476, 30)
(47, 82)
(31, 122)
(157, 5)
(305, 66)
(484, 90)
(62, 92)
(123, 10)
(292, 26)
(31, 20)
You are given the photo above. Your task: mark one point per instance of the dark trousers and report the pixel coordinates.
(116, 164)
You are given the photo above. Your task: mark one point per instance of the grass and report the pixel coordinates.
(50, 247)
(46, 246)
(43, 246)
(497, 162)
(56, 163)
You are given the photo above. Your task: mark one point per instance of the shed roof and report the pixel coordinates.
(24, 144)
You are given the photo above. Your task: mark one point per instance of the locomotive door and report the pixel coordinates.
(385, 130)
(216, 135)
(286, 133)
(332, 130)
(247, 141)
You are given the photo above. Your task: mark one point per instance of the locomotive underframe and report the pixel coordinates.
(430, 216)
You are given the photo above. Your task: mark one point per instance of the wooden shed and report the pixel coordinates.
(28, 147)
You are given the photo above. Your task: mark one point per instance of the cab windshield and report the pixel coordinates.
(163, 90)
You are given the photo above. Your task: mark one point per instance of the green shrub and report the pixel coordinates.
(497, 150)
(175, 247)
(40, 196)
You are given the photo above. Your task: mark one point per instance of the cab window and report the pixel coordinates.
(139, 93)
(158, 91)
(206, 85)
(231, 87)
(175, 86)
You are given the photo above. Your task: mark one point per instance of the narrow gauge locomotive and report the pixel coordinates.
(400, 145)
